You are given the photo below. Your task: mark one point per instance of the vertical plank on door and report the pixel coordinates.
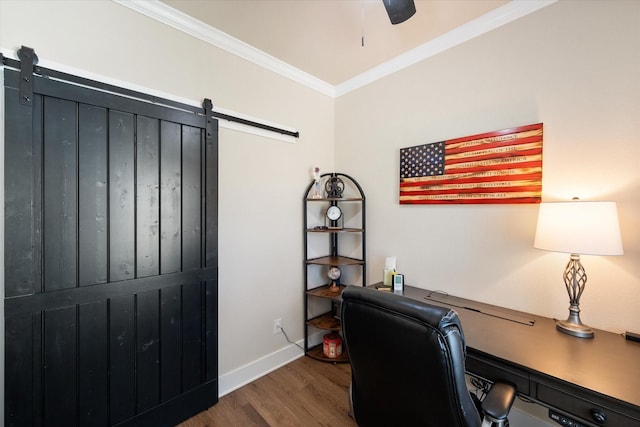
(211, 329)
(18, 373)
(211, 191)
(191, 336)
(60, 194)
(147, 197)
(122, 357)
(92, 195)
(191, 198)
(170, 197)
(59, 362)
(148, 350)
(20, 278)
(171, 339)
(38, 364)
(210, 185)
(93, 391)
(121, 196)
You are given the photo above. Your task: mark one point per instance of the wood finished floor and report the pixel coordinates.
(305, 392)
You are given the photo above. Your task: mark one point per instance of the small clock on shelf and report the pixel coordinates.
(334, 274)
(333, 214)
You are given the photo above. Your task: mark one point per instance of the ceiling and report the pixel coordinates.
(323, 38)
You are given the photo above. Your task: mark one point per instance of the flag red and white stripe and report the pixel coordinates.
(497, 167)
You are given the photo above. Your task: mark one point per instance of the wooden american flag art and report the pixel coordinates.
(503, 166)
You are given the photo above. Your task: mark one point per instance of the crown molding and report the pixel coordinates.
(161, 12)
(180, 21)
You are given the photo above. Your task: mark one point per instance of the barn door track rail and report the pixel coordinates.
(27, 64)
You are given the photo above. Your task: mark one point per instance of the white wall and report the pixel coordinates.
(574, 66)
(262, 181)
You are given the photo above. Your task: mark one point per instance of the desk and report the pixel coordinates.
(574, 376)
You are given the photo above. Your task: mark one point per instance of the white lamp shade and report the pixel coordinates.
(584, 228)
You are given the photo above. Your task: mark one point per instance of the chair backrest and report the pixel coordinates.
(407, 361)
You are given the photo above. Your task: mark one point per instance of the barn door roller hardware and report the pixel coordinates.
(28, 59)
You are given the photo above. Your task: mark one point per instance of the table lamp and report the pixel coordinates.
(587, 228)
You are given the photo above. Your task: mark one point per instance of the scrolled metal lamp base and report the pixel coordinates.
(575, 280)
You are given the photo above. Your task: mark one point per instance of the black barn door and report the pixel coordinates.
(110, 258)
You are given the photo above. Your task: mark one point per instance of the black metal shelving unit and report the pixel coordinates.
(321, 299)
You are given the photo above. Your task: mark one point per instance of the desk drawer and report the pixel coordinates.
(562, 398)
(484, 367)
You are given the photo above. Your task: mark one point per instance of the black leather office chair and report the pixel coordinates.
(408, 365)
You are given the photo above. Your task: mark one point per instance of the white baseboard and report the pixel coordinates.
(243, 375)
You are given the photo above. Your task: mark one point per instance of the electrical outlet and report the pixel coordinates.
(277, 326)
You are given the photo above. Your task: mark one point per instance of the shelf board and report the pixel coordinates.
(335, 260)
(325, 321)
(324, 292)
(317, 353)
(336, 199)
(335, 230)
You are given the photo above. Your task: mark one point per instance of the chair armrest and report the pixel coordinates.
(497, 404)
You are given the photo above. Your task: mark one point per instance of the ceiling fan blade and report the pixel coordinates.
(399, 10)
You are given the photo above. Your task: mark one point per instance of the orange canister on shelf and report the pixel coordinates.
(332, 345)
